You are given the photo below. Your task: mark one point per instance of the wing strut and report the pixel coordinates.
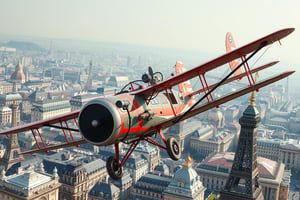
(248, 71)
(205, 87)
(59, 127)
(221, 82)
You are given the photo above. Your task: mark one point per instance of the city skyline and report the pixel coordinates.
(197, 26)
(56, 80)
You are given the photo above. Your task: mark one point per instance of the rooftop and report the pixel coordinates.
(29, 179)
(222, 162)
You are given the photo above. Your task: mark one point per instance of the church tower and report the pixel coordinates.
(18, 75)
(242, 182)
(12, 152)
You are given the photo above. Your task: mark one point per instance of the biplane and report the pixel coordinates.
(144, 108)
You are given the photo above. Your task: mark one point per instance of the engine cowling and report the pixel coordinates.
(100, 122)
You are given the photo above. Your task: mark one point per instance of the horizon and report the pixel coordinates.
(194, 26)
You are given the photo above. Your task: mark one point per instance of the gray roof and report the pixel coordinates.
(10, 97)
(104, 189)
(29, 179)
(4, 108)
(156, 179)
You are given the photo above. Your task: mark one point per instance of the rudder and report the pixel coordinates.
(185, 88)
(230, 45)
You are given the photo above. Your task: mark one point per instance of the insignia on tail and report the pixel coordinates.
(230, 45)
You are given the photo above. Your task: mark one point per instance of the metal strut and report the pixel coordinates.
(64, 128)
(221, 82)
(33, 133)
(248, 71)
(205, 87)
(149, 140)
(129, 152)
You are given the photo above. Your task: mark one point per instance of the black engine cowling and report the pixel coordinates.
(100, 122)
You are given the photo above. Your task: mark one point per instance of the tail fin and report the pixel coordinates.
(185, 88)
(230, 45)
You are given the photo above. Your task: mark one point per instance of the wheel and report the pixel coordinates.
(112, 168)
(173, 148)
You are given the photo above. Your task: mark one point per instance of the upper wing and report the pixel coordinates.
(39, 124)
(237, 53)
(202, 108)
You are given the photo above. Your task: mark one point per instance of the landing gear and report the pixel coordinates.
(114, 170)
(173, 148)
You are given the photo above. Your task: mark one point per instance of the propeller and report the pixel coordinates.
(99, 122)
(150, 71)
(148, 77)
(152, 77)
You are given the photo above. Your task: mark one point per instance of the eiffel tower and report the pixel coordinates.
(12, 152)
(242, 182)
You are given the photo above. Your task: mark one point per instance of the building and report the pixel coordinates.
(136, 167)
(5, 87)
(289, 154)
(214, 172)
(231, 113)
(104, 191)
(162, 169)
(285, 151)
(216, 118)
(78, 174)
(29, 185)
(78, 101)
(5, 115)
(150, 186)
(182, 132)
(9, 99)
(173, 165)
(18, 75)
(185, 184)
(205, 141)
(124, 184)
(48, 108)
(78, 178)
(149, 152)
(118, 81)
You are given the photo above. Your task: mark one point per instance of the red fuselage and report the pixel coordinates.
(102, 122)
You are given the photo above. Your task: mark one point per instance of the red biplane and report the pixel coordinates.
(145, 107)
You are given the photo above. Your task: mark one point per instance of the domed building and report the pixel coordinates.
(185, 184)
(18, 75)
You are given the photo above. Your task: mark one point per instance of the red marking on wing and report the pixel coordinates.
(237, 53)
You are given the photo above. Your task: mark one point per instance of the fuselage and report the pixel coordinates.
(102, 122)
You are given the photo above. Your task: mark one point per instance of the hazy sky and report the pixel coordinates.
(192, 24)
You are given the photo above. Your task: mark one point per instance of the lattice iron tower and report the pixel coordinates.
(12, 153)
(242, 182)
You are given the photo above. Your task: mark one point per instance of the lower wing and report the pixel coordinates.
(216, 102)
